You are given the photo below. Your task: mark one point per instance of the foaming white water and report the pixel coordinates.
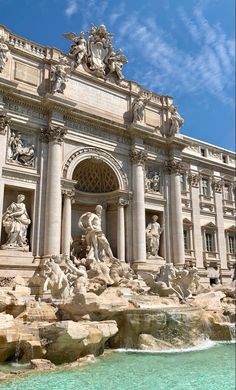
(205, 345)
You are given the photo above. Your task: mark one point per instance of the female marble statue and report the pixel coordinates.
(16, 221)
(153, 233)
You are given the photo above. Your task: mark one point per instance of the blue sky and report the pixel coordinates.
(181, 48)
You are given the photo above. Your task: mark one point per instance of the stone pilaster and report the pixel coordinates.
(54, 135)
(217, 185)
(138, 158)
(194, 179)
(66, 221)
(122, 203)
(173, 168)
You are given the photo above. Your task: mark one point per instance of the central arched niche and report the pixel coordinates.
(93, 175)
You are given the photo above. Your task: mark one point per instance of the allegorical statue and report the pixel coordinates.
(173, 125)
(3, 55)
(59, 75)
(98, 246)
(78, 49)
(139, 105)
(153, 233)
(16, 221)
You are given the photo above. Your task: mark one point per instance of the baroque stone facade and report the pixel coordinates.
(74, 134)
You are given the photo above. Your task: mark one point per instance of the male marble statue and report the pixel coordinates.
(153, 233)
(97, 243)
(16, 221)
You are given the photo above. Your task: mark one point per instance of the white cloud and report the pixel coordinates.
(72, 7)
(205, 64)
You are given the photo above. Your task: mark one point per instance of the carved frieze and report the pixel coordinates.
(53, 133)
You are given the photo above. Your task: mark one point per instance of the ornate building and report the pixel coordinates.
(74, 134)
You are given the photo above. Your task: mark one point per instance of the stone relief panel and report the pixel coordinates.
(152, 181)
(20, 149)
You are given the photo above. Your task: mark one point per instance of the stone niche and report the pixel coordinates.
(149, 214)
(109, 221)
(10, 195)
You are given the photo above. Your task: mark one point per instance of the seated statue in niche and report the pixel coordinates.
(153, 233)
(16, 221)
(98, 246)
(19, 152)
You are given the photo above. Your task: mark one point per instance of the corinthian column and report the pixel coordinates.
(173, 169)
(52, 237)
(66, 221)
(138, 158)
(121, 229)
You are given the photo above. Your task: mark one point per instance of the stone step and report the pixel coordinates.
(14, 263)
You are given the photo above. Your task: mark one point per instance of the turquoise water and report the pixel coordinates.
(209, 369)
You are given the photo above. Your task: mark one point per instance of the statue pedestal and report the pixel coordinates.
(152, 264)
(14, 263)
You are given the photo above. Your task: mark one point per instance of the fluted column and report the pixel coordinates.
(54, 134)
(193, 179)
(66, 221)
(121, 229)
(173, 168)
(138, 158)
(217, 184)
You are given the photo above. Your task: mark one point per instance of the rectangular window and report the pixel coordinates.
(205, 187)
(232, 240)
(186, 239)
(182, 182)
(227, 192)
(203, 152)
(209, 242)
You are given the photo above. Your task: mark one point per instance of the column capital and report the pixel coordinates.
(4, 122)
(68, 193)
(122, 202)
(54, 133)
(193, 179)
(174, 166)
(217, 185)
(138, 156)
